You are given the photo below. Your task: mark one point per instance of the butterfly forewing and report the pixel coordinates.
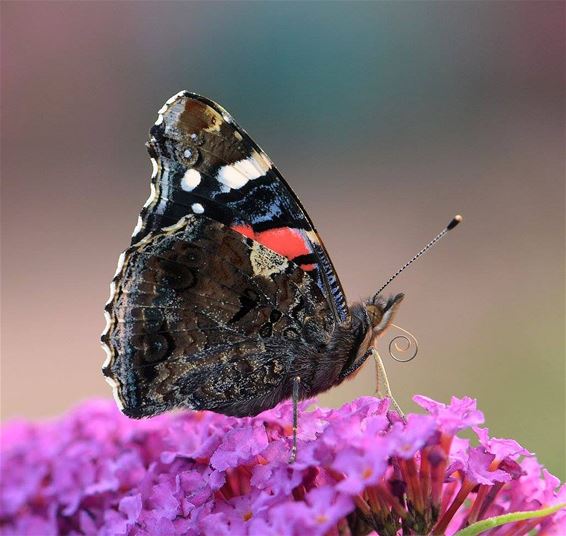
(204, 163)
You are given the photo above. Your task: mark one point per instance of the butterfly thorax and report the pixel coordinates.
(348, 346)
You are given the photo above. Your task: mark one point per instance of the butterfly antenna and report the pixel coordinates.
(455, 221)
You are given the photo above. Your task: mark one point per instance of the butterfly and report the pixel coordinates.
(226, 299)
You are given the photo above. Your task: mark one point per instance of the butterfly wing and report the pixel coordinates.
(202, 316)
(204, 163)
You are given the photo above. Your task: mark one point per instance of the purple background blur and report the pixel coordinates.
(386, 119)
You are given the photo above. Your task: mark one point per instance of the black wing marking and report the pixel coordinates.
(196, 316)
(205, 163)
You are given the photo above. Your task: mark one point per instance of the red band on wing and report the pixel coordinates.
(246, 230)
(286, 241)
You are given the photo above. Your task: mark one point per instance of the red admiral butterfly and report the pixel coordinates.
(227, 296)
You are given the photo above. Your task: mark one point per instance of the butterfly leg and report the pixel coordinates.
(355, 366)
(296, 385)
(382, 388)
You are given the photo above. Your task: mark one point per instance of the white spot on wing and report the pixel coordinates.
(197, 208)
(191, 179)
(232, 175)
(159, 120)
(238, 174)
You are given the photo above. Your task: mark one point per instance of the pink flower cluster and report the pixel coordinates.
(359, 469)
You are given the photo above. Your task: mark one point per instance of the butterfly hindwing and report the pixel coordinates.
(203, 316)
(204, 163)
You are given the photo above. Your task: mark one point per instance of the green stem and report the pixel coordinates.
(492, 522)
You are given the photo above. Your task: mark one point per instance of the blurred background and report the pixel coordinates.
(386, 119)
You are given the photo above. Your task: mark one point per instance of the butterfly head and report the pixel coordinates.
(381, 311)
(370, 319)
